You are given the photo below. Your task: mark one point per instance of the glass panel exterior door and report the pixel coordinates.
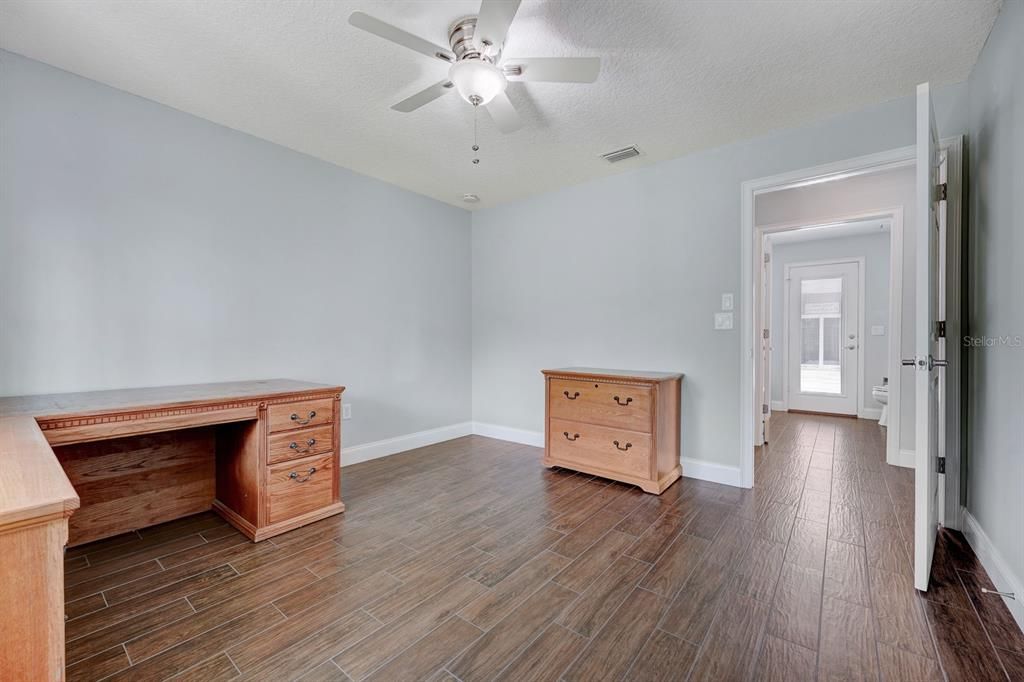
(823, 327)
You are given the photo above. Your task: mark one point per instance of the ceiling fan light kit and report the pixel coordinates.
(477, 80)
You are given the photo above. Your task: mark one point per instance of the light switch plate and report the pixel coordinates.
(723, 321)
(346, 411)
(878, 330)
(726, 301)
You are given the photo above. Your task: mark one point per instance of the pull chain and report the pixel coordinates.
(476, 147)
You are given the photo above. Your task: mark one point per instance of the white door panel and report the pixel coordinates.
(926, 369)
(823, 337)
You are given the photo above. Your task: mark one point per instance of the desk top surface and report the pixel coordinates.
(93, 402)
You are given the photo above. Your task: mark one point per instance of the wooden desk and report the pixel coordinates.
(265, 455)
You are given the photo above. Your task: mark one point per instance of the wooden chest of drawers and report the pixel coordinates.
(614, 423)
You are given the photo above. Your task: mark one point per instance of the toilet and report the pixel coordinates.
(881, 394)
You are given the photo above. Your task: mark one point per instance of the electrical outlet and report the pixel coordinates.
(346, 411)
(726, 301)
(723, 321)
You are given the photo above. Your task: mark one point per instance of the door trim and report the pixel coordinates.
(750, 249)
(859, 260)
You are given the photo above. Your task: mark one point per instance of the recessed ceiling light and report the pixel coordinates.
(471, 198)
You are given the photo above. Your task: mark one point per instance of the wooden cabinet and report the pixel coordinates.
(614, 423)
(139, 457)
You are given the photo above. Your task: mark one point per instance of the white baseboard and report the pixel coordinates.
(513, 435)
(998, 570)
(710, 471)
(410, 441)
(692, 468)
(869, 413)
(779, 406)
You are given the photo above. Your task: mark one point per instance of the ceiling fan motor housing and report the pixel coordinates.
(460, 37)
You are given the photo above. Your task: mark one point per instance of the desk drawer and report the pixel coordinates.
(618, 405)
(289, 445)
(613, 450)
(298, 487)
(289, 416)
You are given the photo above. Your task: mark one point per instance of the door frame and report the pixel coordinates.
(894, 216)
(859, 260)
(750, 257)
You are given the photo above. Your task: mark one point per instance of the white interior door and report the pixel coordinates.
(823, 328)
(927, 368)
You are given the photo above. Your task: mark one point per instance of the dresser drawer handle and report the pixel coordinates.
(575, 436)
(310, 443)
(295, 418)
(295, 475)
(628, 446)
(628, 401)
(575, 394)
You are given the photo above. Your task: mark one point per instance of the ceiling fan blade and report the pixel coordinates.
(554, 69)
(396, 35)
(504, 114)
(423, 97)
(493, 21)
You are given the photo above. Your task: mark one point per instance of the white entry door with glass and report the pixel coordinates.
(822, 336)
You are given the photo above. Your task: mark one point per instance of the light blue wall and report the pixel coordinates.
(143, 246)
(995, 382)
(627, 271)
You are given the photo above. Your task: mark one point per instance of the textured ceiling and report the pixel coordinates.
(676, 76)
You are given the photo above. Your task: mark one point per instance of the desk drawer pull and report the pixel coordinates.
(575, 436)
(628, 446)
(309, 446)
(575, 394)
(295, 475)
(628, 401)
(295, 418)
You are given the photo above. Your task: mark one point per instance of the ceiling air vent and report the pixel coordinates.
(621, 154)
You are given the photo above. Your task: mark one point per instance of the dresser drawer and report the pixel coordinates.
(594, 402)
(300, 486)
(614, 450)
(297, 415)
(289, 445)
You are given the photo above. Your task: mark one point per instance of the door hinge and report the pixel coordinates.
(765, 333)
(940, 329)
(767, 258)
(941, 466)
(764, 408)
(940, 192)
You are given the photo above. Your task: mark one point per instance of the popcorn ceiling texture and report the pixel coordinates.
(676, 76)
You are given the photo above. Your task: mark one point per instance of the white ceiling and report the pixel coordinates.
(676, 76)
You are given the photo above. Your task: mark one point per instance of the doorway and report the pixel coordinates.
(752, 305)
(823, 310)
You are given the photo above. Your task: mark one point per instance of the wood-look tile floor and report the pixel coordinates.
(469, 561)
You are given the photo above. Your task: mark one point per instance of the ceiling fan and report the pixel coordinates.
(478, 70)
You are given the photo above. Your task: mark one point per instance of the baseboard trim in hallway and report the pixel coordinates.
(996, 566)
